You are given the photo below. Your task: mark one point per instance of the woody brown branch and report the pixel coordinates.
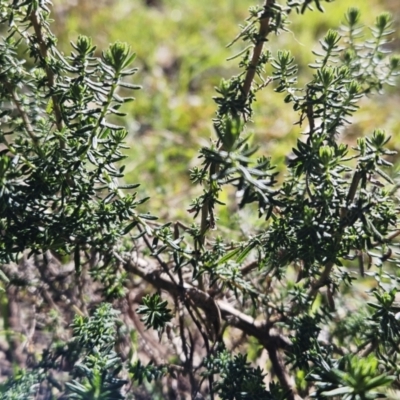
(261, 38)
(215, 309)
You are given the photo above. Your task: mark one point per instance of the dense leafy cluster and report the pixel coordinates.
(292, 288)
(60, 186)
(238, 379)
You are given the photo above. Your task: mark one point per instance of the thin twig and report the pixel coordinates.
(18, 104)
(158, 258)
(388, 238)
(206, 343)
(207, 219)
(37, 26)
(249, 267)
(310, 117)
(228, 313)
(262, 35)
(280, 371)
(324, 277)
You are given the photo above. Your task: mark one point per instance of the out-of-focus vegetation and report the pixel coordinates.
(181, 53)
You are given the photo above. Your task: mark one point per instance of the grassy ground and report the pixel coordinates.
(181, 52)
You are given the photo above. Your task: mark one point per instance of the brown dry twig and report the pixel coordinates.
(216, 310)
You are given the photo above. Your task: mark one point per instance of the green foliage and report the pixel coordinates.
(238, 380)
(155, 312)
(63, 157)
(23, 385)
(350, 378)
(96, 365)
(149, 372)
(313, 283)
(96, 376)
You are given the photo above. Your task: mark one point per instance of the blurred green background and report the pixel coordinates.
(181, 55)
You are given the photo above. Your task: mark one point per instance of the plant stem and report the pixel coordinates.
(280, 371)
(22, 112)
(50, 74)
(262, 35)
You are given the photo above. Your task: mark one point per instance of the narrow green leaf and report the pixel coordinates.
(338, 391)
(228, 256)
(384, 176)
(111, 126)
(131, 186)
(129, 227)
(128, 85)
(148, 217)
(245, 252)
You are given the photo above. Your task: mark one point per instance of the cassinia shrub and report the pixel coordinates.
(313, 286)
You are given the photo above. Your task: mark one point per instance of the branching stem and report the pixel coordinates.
(248, 80)
(324, 277)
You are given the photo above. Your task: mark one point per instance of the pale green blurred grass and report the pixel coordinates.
(181, 52)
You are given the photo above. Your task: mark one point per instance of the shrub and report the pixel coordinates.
(312, 286)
